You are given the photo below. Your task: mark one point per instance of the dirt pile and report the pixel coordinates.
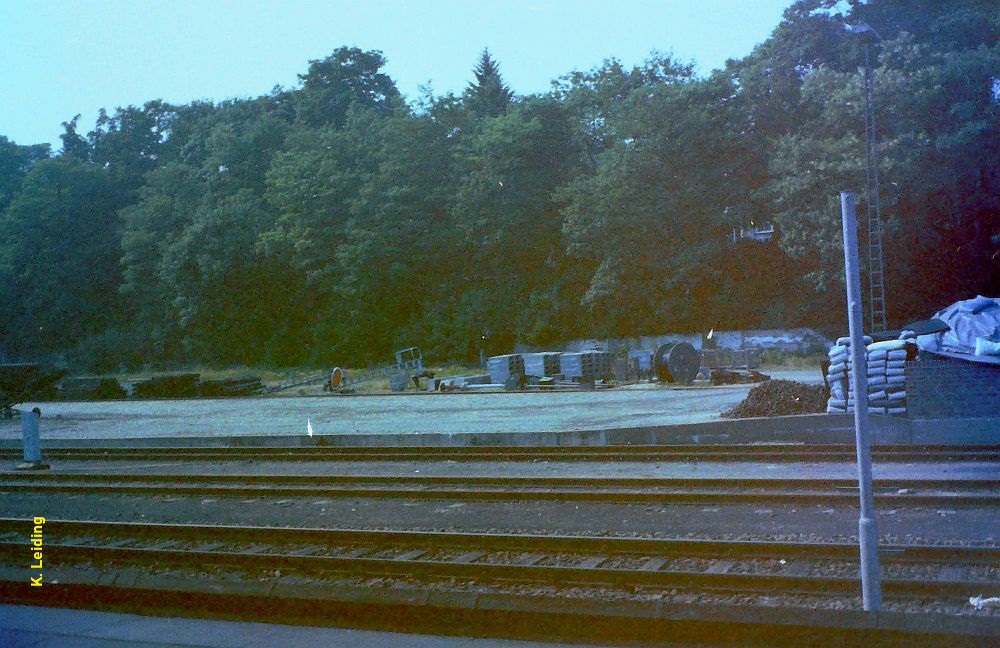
(779, 398)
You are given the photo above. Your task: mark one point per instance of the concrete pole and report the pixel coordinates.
(871, 588)
(32, 445)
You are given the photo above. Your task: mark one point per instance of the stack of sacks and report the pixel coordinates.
(886, 363)
(886, 379)
(839, 376)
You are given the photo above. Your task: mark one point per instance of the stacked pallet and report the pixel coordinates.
(585, 366)
(885, 371)
(501, 368)
(643, 358)
(541, 364)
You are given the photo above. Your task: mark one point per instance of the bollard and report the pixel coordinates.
(32, 445)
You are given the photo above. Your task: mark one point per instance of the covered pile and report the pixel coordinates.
(780, 398)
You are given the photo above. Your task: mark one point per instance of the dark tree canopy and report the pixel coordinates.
(348, 77)
(331, 223)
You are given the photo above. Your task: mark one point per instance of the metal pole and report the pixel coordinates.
(871, 589)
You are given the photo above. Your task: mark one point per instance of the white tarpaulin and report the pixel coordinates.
(970, 320)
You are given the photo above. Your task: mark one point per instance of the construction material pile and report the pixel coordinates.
(886, 367)
(502, 367)
(585, 366)
(541, 364)
(780, 398)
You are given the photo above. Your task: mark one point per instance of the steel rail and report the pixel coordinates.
(789, 452)
(413, 565)
(493, 489)
(539, 481)
(963, 554)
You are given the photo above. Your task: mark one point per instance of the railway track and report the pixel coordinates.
(899, 493)
(722, 453)
(723, 567)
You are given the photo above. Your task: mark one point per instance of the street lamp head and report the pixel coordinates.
(863, 28)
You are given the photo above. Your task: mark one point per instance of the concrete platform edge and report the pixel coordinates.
(802, 429)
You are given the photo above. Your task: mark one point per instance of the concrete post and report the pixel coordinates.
(32, 445)
(871, 588)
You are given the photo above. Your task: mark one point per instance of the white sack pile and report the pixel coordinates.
(885, 362)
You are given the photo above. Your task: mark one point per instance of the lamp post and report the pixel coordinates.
(871, 587)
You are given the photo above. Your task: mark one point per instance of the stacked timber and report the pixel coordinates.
(84, 389)
(172, 386)
(245, 386)
(503, 367)
(541, 364)
(585, 366)
(885, 367)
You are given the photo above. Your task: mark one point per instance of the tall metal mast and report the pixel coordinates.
(876, 264)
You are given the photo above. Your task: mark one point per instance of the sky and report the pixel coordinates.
(60, 58)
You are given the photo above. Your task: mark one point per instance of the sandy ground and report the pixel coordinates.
(634, 406)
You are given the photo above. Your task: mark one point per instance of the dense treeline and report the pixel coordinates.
(333, 222)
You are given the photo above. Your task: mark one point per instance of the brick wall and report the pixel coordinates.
(938, 387)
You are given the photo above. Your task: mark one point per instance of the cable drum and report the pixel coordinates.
(676, 362)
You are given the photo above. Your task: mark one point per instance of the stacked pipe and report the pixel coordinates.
(886, 366)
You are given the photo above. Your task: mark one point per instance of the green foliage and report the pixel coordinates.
(348, 77)
(59, 251)
(488, 96)
(331, 223)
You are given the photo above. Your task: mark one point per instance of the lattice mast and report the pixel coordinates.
(876, 264)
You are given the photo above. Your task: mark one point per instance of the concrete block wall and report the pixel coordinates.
(944, 387)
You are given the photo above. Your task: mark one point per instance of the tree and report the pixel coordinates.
(15, 162)
(349, 76)
(940, 148)
(59, 251)
(651, 222)
(487, 96)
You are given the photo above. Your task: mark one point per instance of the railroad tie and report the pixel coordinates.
(719, 567)
(469, 556)
(950, 573)
(592, 562)
(800, 568)
(653, 564)
(413, 554)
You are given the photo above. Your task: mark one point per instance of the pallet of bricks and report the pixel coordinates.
(504, 367)
(885, 371)
(586, 366)
(541, 365)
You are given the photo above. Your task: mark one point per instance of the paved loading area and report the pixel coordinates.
(631, 406)
(40, 627)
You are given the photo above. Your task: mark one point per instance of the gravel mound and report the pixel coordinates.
(779, 398)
